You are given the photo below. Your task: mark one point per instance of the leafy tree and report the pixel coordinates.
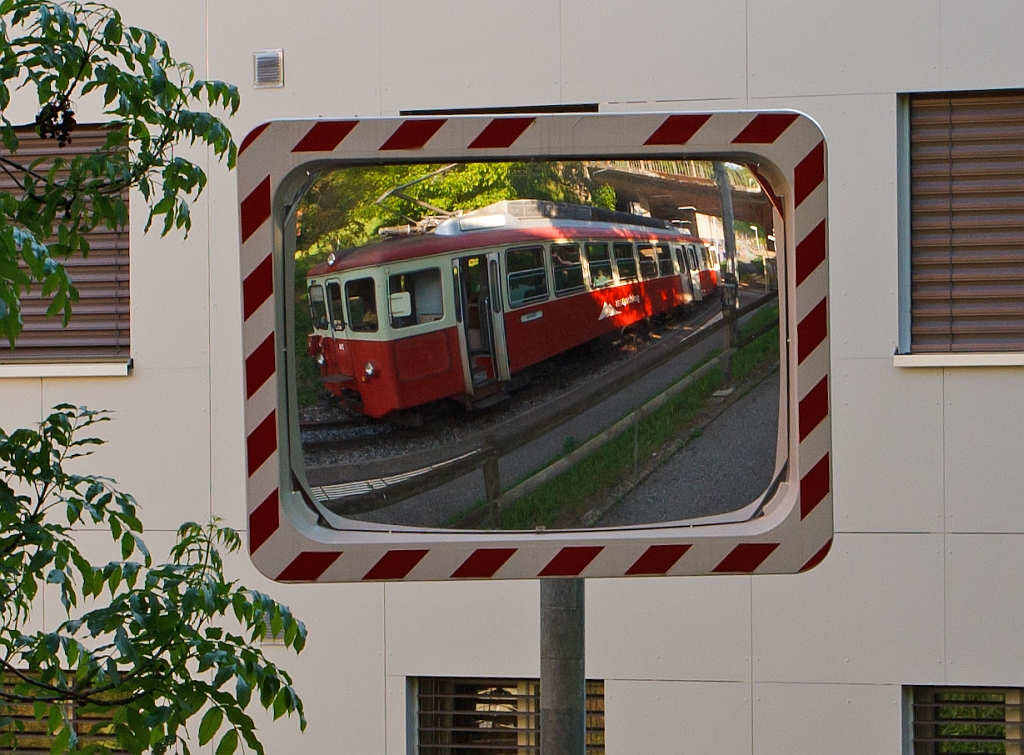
(64, 51)
(154, 645)
(152, 649)
(342, 208)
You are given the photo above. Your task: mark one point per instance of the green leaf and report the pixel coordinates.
(210, 725)
(228, 743)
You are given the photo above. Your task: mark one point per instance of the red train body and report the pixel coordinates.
(458, 311)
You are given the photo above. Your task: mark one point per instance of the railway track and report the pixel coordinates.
(341, 433)
(337, 436)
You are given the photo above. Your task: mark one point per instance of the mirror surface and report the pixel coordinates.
(474, 341)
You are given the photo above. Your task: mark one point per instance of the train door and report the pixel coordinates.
(684, 274)
(342, 357)
(482, 337)
(694, 268)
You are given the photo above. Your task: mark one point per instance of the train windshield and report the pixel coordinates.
(362, 305)
(415, 298)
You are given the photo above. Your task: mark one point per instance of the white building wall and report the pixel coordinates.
(923, 583)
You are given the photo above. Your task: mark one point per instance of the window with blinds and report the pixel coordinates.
(967, 720)
(99, 327)
(966, 207)
(491, 716)
(21, 733)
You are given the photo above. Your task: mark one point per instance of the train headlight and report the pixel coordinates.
(320, 358)
(369, 370)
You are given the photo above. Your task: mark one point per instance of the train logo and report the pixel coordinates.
(460, 311)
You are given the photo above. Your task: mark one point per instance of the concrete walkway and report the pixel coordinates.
(724, 469)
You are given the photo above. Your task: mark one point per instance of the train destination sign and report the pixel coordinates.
(486, 347)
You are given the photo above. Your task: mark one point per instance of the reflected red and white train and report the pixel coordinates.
(459, 311)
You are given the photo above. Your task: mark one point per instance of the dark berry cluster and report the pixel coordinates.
(56, 120)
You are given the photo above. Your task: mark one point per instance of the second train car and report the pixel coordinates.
(459, 310)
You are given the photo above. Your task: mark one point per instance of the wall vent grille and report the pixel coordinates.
(268, 68)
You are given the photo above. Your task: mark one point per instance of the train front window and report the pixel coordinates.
(648, 261)
(334, 303)
(625, 262)
(527, 278)
(317, 307)
(415, 298)
(664, 260)
(362, 305)
(600, 265)
(566, 268)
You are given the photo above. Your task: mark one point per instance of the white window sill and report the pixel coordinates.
(67, 369)
(1003, 359)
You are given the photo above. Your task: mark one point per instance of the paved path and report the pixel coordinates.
(726, 468)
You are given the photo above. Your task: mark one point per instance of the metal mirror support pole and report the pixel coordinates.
(563, 681)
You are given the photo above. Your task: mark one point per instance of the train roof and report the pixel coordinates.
(505, 223)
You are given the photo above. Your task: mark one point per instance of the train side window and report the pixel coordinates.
(664, 260)
(706, 256)
(567, 268)
(318, 307)
(415, 298)
(527, 278)
(335, 305)
(600, 265)
(625, 262)
(362, 305)
(648, 261)
(681, 259)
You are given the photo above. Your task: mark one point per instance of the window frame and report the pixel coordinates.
(527, 701)
(582, 285)
(636, 267)
(608, 260)
(904, 355)
(543, 268)
(408, 274)
(348, 306)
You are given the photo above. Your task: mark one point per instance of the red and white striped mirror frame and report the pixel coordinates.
(793, 532)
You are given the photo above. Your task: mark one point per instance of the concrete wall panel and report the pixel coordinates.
(981, 48)
(806, 47)
(984, 605)
(158, 443)
(664, 628)
(669, 718)
(21, 403)
(845, 719)
(984, 447)
(332, 57)
(871, 613)
(443, 55)
(887, 447)
(463, 629)
(683, 51)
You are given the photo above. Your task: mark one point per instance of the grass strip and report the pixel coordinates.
(563, 501)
